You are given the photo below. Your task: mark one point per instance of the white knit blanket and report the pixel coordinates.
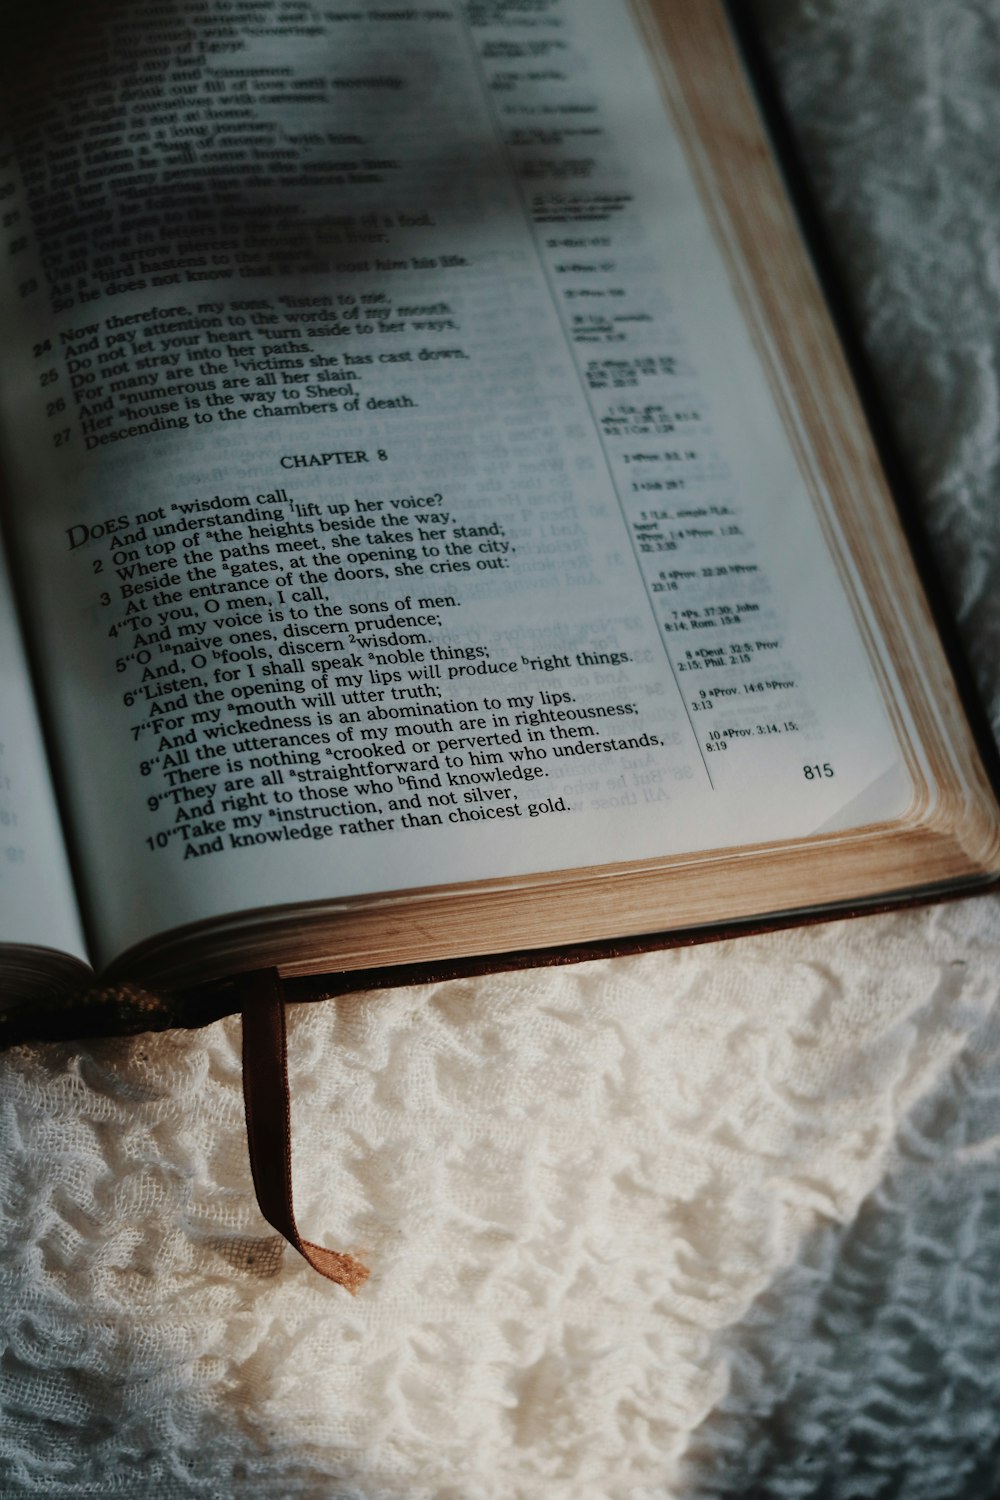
(719, 1221)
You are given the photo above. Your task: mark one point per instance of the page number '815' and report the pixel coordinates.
(817, 773)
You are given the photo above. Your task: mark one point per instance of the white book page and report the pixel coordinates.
(37, 905)
(419, 510)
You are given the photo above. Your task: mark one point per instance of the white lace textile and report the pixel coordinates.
(711, 1222)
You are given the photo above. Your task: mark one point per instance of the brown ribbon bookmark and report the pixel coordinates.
(269, 1124)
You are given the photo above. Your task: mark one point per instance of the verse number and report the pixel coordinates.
(818, 773)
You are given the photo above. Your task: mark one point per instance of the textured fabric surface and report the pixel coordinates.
(714, 1222)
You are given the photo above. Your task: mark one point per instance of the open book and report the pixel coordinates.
(439, 519)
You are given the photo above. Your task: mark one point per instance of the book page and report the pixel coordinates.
(37, 905)
(406, 498)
